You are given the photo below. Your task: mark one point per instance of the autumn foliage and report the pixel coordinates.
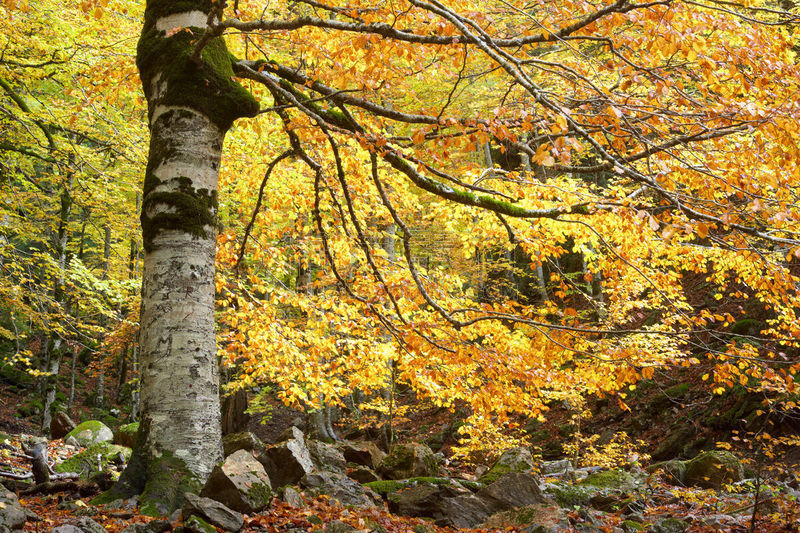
(498, 204)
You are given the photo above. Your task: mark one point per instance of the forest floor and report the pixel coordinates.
(674, 415)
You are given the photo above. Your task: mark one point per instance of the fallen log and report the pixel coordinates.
(83, 488)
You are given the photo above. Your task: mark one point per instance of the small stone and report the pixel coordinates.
(212, 511)
(293, 498)
(66, 528)
(87, 525)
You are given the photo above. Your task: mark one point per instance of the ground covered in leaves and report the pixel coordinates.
(702, 510)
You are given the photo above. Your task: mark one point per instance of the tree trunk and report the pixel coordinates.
(191, 105)
(53, 358)
(135, 406)
(71, 400)
(234, 418)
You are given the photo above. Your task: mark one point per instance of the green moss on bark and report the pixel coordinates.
(206, 85)
(188, 210)
(168, 479)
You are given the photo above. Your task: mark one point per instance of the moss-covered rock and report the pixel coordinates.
(614, 479)
(386, 486)
(409, 460)
(673, 471)
(195, 524)
(233, 442)
(712, 469)
(91, 432)
(669, 525)
(533, 518)
(631, 526)
(570, 496)
(126, 435)
(516, 460)
(95, 458)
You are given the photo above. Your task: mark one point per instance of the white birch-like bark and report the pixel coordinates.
(180, 384)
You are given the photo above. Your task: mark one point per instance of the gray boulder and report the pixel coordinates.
(364, 453)
(341, 488)
(90, 432)
(12, 515)
(423, 500)
(288, 461)
(212, 512)
(326, 457)
(362, 474)
(514, 460)
(556, 468)
(539, 518)
(464, 512)
(240, 483)
(61, 425)
(290, 433)
(409, 460)
(512, 490)
(233, 442)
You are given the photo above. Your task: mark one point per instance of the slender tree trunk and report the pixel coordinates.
(101, 377)
(71, 400)
(192, 102)
(135, 406)
(133, 258)
(540, 280)
(123, 373)
(53, 358)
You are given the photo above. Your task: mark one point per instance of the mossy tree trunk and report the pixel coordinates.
(191, 103)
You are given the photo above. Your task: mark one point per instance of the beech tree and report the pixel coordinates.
(655, 139)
